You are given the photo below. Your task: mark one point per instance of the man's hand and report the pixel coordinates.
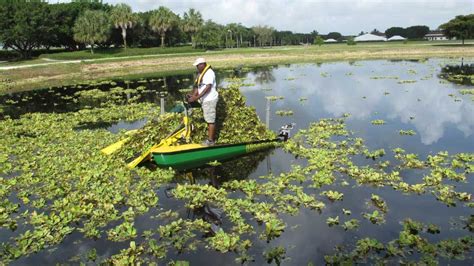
(192, 99)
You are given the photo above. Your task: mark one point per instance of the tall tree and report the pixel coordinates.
(24, 25)
(162, 20)
(64, 15)
(210, 35)
(192, 22)
(232, 33)
(334, 35)
(395, 31)
(92, 27)
(417, 32)
(319, 40)
(461, 27)
(264, 34)
(122, 17)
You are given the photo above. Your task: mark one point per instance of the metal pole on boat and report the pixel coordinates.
(267, 117)
(162, 102)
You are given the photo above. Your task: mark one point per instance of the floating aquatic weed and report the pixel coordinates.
(331, 221)
(273, 229)
(375, 217)
(379, 202)
(363, 249)
(351, 224)
(384, 77)
(290, 78)
(122, 232)
(274, 98)
(324, 74)
(214, 163)
(302, 99)
(427, 77)
(378, 122)
(276, 254)
(433, 229)
(333, 195)
(247, 85)
(407, 132)
(406, 81)
(284, 112)
(224, 242)
(92, 254)
(373, 154)
(466, 91)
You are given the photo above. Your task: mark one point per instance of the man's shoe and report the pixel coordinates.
(209, 143)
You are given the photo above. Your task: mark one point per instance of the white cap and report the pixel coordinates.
(198, 61)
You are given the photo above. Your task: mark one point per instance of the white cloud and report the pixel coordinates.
(345, 16)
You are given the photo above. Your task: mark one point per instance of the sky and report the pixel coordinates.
(348, 17)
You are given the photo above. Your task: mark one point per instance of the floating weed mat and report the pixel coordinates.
(412, 240)
(330, 151)
(235, 123)
(54, 180)
(459, 74)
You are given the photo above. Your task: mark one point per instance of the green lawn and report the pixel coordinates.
(115, 53)
(119, 52)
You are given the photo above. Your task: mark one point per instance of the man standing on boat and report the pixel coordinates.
(205, 92)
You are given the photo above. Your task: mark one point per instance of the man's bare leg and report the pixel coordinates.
(211, 131)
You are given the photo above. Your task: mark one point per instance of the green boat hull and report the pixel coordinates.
(193, 158)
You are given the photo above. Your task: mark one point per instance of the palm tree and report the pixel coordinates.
(162, 20)
(192, 23)
(92, 27)
(122, 17)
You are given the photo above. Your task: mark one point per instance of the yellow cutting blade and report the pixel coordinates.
(117, 145)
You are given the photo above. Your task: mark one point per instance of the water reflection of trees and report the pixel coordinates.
(237, 169)
(264, 75)
(460, 74)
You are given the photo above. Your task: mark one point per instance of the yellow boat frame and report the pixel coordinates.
(182, 132)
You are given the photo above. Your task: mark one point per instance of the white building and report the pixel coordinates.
(369, 38)
(436, 35)
(396, 38)
(329, 40)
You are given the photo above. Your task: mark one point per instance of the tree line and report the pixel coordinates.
(34, 24)
(26, 25)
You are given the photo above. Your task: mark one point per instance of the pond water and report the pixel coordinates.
(407, 95)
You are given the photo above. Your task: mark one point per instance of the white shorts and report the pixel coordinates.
(209, 111)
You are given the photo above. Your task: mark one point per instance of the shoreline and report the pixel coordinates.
(64, 74)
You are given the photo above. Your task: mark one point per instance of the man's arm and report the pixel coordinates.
(196, 95)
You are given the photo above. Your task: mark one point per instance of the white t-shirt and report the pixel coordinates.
(209, 78)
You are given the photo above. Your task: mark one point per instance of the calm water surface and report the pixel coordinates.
(442, 119)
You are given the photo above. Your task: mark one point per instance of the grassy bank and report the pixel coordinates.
(41, 76)
(119, 52)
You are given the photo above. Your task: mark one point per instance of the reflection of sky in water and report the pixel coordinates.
(423, 106)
